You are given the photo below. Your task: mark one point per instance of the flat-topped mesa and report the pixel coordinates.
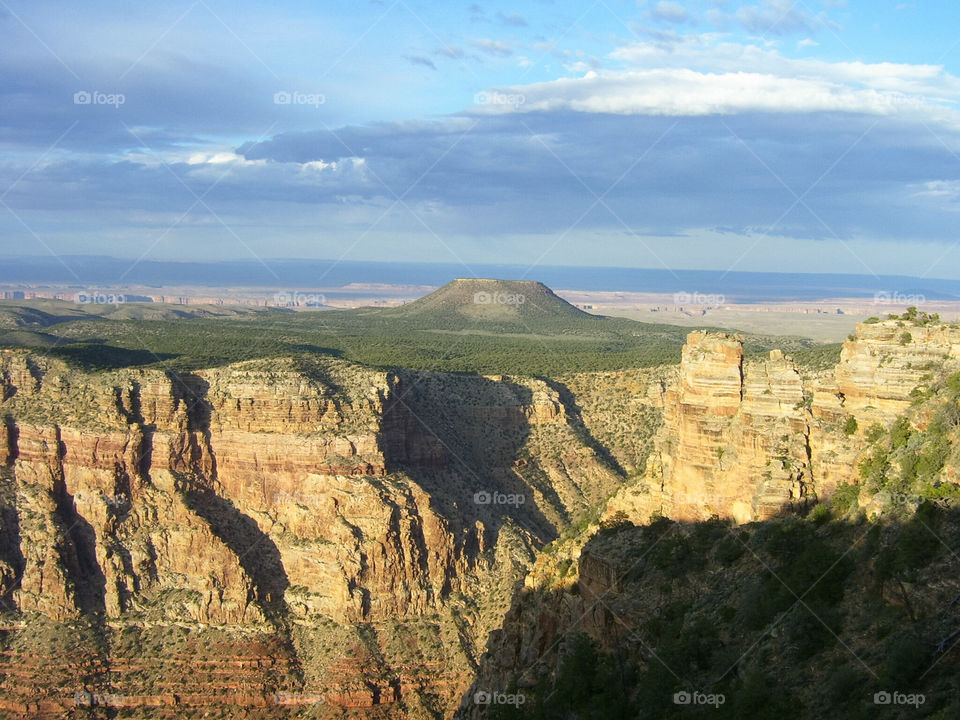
(490, 300)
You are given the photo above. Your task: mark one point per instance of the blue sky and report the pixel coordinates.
(759, 135)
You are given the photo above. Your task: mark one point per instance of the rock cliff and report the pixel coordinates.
(665, 606)
(304, 536)
(274, 536)
(744, 438)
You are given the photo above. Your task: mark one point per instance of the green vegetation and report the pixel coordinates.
(908, 460)
(850, 426)
(821, 357)
(447, 330)
(776, 626)
(917, 317)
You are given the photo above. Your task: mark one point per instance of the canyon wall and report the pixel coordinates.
(743, 439)
(277, 537)
(300, 537)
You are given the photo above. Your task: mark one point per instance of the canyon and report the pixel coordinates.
(275, 534)
(749, 443)
(293, 537)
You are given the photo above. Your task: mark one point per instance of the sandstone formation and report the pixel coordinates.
(744, 438)
(297, 535)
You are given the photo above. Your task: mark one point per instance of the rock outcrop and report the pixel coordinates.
(744, 438)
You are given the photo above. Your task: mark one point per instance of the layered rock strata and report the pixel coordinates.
(745, 438)
(269, 534)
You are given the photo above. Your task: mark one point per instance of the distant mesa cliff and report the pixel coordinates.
(490, 300)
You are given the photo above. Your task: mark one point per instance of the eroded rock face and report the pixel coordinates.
(744, 439)
(733, 440)
(351, 523)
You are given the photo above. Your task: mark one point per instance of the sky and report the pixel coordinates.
(762, 135)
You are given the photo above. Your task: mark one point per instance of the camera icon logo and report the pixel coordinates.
(281, 98)
(482, 497)
(482, 697)
(682, 698)
(82, 98)
(882, 698)
(482, 298)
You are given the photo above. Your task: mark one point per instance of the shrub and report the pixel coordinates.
(845, 498)
(843, 684)
(900, 433)
(820, 514)
(874, 433)
(729, 550)
(850, 426)
(906, 659)
(953, 384)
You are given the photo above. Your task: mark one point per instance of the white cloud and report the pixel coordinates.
(673, 73)
(948, 189)
(221, 158)
(807, 42)
(682, 92)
